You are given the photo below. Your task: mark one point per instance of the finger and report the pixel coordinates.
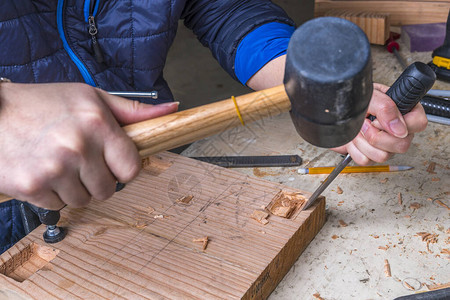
(49, 200)
(375, 154)
(381, 87)
(383, 141)
(129, 111)
(121, 155)
(98, 179)
(385, 110)
(416, 120)
(357, 156)
(72, 192)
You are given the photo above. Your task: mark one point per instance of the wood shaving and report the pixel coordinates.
(445, 251)
(340, 203)
(334, 236)
(430, 199)
(260, 216)
(185, 199)
(439, 202)
(203, 240)
(435, 179)
(339, 190)
(387, 268)
(317, 296)
(342, 223)
(432, 287)
(400, 198)
(429, 238)
(159, 217)
(286, 204)
(383, 247)
(150, 210)
(384, 180)
(375, 236)
(431, 167)
(409, 286)
(415, 205)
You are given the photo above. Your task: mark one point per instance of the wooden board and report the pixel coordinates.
(401, 12)
(375, 25)
(139, 243)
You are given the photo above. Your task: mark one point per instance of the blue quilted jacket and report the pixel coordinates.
(114, 45)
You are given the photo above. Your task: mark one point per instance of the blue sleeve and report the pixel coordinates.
(222, 24)
(260, 46)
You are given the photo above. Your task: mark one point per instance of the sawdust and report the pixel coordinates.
(286, 204)
(439, 202)
(415, 205)
(203, 240)
(260, 216)
(387, 268)
(342, 223)
(429, 238)
(431, 167)
(260, 173)
(317, 296)
(185, 200)
(432, 287)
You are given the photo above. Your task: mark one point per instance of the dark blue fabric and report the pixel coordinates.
(260, 46)
(222, 24)
(11, 227)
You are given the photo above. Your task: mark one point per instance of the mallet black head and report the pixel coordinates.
(328, 79)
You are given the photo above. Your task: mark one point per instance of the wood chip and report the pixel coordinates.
(383, 247)
(185, 199)
(159, 217)
(400, 198)
(439, 202)
(435, 179)
(415, 205)
(431, 167)
(387, 268)
(334, 236)
(317, 296)
(384, 180)
(260, 216)
(432, 287)
(445, 251)
(409, 286)
(286, 204)
(203, 240)
(342, 223)
(339, 190)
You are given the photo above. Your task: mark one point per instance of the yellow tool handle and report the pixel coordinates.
(184, 127)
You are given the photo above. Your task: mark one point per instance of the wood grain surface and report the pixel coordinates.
(139, 243)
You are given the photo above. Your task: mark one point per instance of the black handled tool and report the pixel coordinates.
(252, 161)
(406, 92)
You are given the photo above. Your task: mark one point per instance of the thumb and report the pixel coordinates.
(130, 111)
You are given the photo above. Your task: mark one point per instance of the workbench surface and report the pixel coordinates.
(366, 223)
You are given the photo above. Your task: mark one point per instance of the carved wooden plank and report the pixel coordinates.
(139, 244)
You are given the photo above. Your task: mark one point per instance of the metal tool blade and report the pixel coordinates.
(327, 181)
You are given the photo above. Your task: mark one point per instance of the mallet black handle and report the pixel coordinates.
(406, 92)
(411, 86)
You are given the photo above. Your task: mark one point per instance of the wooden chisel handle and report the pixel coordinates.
(184, 127)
